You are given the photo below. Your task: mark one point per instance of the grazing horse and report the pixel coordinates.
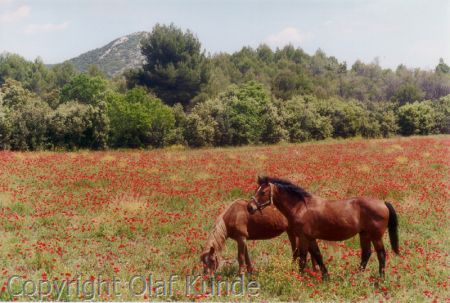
(312, 217)
(235, 222)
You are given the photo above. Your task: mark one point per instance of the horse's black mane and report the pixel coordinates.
(286, 186)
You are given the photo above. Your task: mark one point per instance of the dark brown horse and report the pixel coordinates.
(236, 223)
(312, 217)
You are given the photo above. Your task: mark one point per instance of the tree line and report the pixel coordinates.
(181, 95)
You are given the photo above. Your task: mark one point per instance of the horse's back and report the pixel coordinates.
(265, 224)
(341, 219)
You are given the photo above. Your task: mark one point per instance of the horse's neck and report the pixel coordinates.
(217, 236)
(288, 205)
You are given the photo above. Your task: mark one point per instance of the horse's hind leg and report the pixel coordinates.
(381, 254)
(317, 255)
(241, 253)
(247, 260)
(366, 251)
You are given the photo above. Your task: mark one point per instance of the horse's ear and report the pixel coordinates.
(262, 180)
(212, 251)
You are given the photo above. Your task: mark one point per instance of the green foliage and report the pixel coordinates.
(384, 118)
(13, 94)
(84, 89)
(34, 76)
(252, 96)
(175, 64)
(70, 122)
(246, 106)
(303, 121)
(5, 129)
(442, 67)
(176, 135)
(75, 125)
(348, 118)
(287, 84)
(24, 118)
(63, 73)
(207, 124)
(242, 115)
(15, 67)
(139, 119)
(30, 122)
(408, 93)
(418, 118)
(442, 110)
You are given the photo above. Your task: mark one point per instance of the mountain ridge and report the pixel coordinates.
(115, 57)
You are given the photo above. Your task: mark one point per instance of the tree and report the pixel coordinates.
(175, 65)
(15, 67)
(286, 84)
(408, 93)
(442, 68)
(63, 73)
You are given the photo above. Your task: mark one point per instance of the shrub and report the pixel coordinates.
(30, 122)
(241, 115)
(442, 111)
(84, 89)
(74, 124)
(418, 118)
(303, 121)
(139, 119)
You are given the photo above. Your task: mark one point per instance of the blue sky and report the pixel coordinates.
(415, 32)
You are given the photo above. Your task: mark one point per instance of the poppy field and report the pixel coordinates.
(117, 214)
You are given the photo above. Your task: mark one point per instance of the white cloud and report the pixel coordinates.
(15, 15)
(287, 35)
(44, 28)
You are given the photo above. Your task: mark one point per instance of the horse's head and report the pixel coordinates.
(210, 261)
(263, 196)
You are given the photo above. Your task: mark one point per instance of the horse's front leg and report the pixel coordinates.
(303, 252)
(241, 254)
(294, 244)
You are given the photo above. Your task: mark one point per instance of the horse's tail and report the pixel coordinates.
(393, 227)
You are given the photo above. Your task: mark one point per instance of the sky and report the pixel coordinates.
(411, 32)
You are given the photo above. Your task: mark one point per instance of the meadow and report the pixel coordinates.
(109, 214)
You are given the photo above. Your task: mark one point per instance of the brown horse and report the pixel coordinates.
(312, 217)
(236, 223)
